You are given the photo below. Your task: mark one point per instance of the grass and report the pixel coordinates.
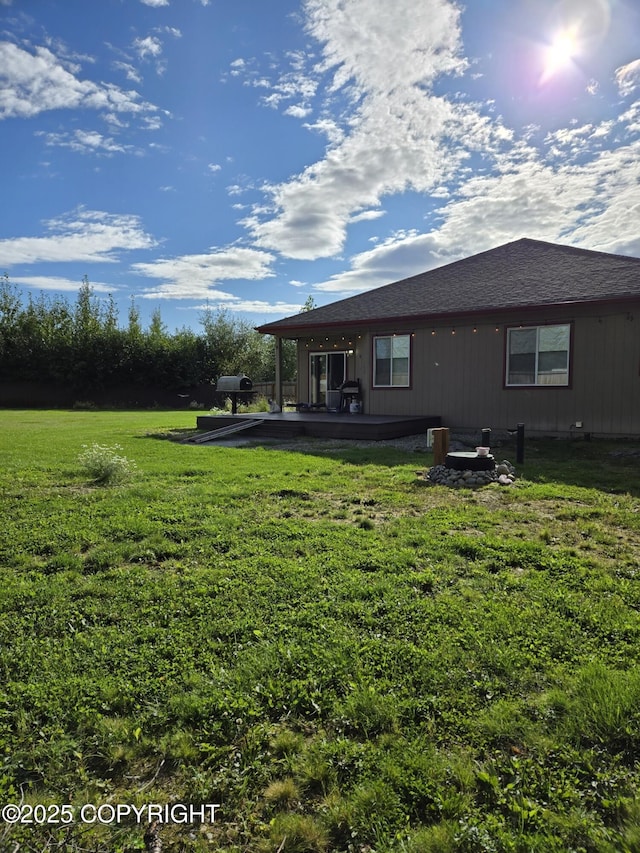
(344, 658)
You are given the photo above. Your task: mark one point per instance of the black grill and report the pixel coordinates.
(234, 387)
(234, 383)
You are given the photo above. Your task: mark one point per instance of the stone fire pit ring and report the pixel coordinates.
(503, 473)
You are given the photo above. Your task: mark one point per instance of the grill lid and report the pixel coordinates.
(234, 383)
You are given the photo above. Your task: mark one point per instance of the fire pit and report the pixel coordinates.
(457, 471)
(463, 461)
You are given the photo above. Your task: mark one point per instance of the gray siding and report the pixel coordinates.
(460, 376)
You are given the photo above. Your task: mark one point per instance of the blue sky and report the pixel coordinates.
(247, 155)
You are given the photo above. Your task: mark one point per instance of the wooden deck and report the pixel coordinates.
(323, 425)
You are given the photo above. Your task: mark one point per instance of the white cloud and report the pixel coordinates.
(397, 135)
(34, 83)
(155, 3)
(628, 77)
(129, 70)
(227, 301)
(401, 255)
(394, 147)
(631, 118)
(86, 142)
(168, 290)
(87, 236)
(389, 55)
(52, 282)
(298, 111)
(289, 86)
(589, 202)
(366, 216)
(594, 204)
(383, 46)
(615, 203)
(296, 83)
(195, 276)
(148, 47)
(329, 127)
(569, 143)
(152, 122)
(259, 306)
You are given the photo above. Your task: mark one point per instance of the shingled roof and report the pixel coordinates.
(522, 274)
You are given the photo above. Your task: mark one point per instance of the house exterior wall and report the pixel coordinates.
(461, 376)
(350, 344)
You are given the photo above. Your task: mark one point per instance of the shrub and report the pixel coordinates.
(104, 465)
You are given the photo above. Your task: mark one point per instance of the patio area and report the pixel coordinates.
(318, 425)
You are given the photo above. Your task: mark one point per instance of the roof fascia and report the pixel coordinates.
(414, 319)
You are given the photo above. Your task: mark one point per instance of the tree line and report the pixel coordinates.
(83, 345)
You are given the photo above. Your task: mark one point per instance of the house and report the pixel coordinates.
(528, 332)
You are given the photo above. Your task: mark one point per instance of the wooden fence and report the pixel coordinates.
(268, 389)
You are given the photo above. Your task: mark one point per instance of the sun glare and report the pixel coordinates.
(559, 54)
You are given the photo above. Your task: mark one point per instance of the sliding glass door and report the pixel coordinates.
(328, 370)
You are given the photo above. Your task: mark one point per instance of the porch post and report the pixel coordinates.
(277, 391)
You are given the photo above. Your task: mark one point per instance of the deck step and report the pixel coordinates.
(223, 432)
(318, 425)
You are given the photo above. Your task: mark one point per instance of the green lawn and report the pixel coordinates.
(341, 656)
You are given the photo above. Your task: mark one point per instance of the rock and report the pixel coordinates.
(442, 476)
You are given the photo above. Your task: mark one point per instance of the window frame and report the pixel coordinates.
(375, 384)
(511, 386)
(326, 354)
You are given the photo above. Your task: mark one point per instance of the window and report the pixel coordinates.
(538, 355)
(391, 355)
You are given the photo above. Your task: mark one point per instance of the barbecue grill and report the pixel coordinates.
(234, 387)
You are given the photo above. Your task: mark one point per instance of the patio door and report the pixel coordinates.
(328, 370)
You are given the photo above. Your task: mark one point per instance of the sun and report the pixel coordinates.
(560, 53)
(562, 49)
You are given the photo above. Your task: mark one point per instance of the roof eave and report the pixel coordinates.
(295, 331)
